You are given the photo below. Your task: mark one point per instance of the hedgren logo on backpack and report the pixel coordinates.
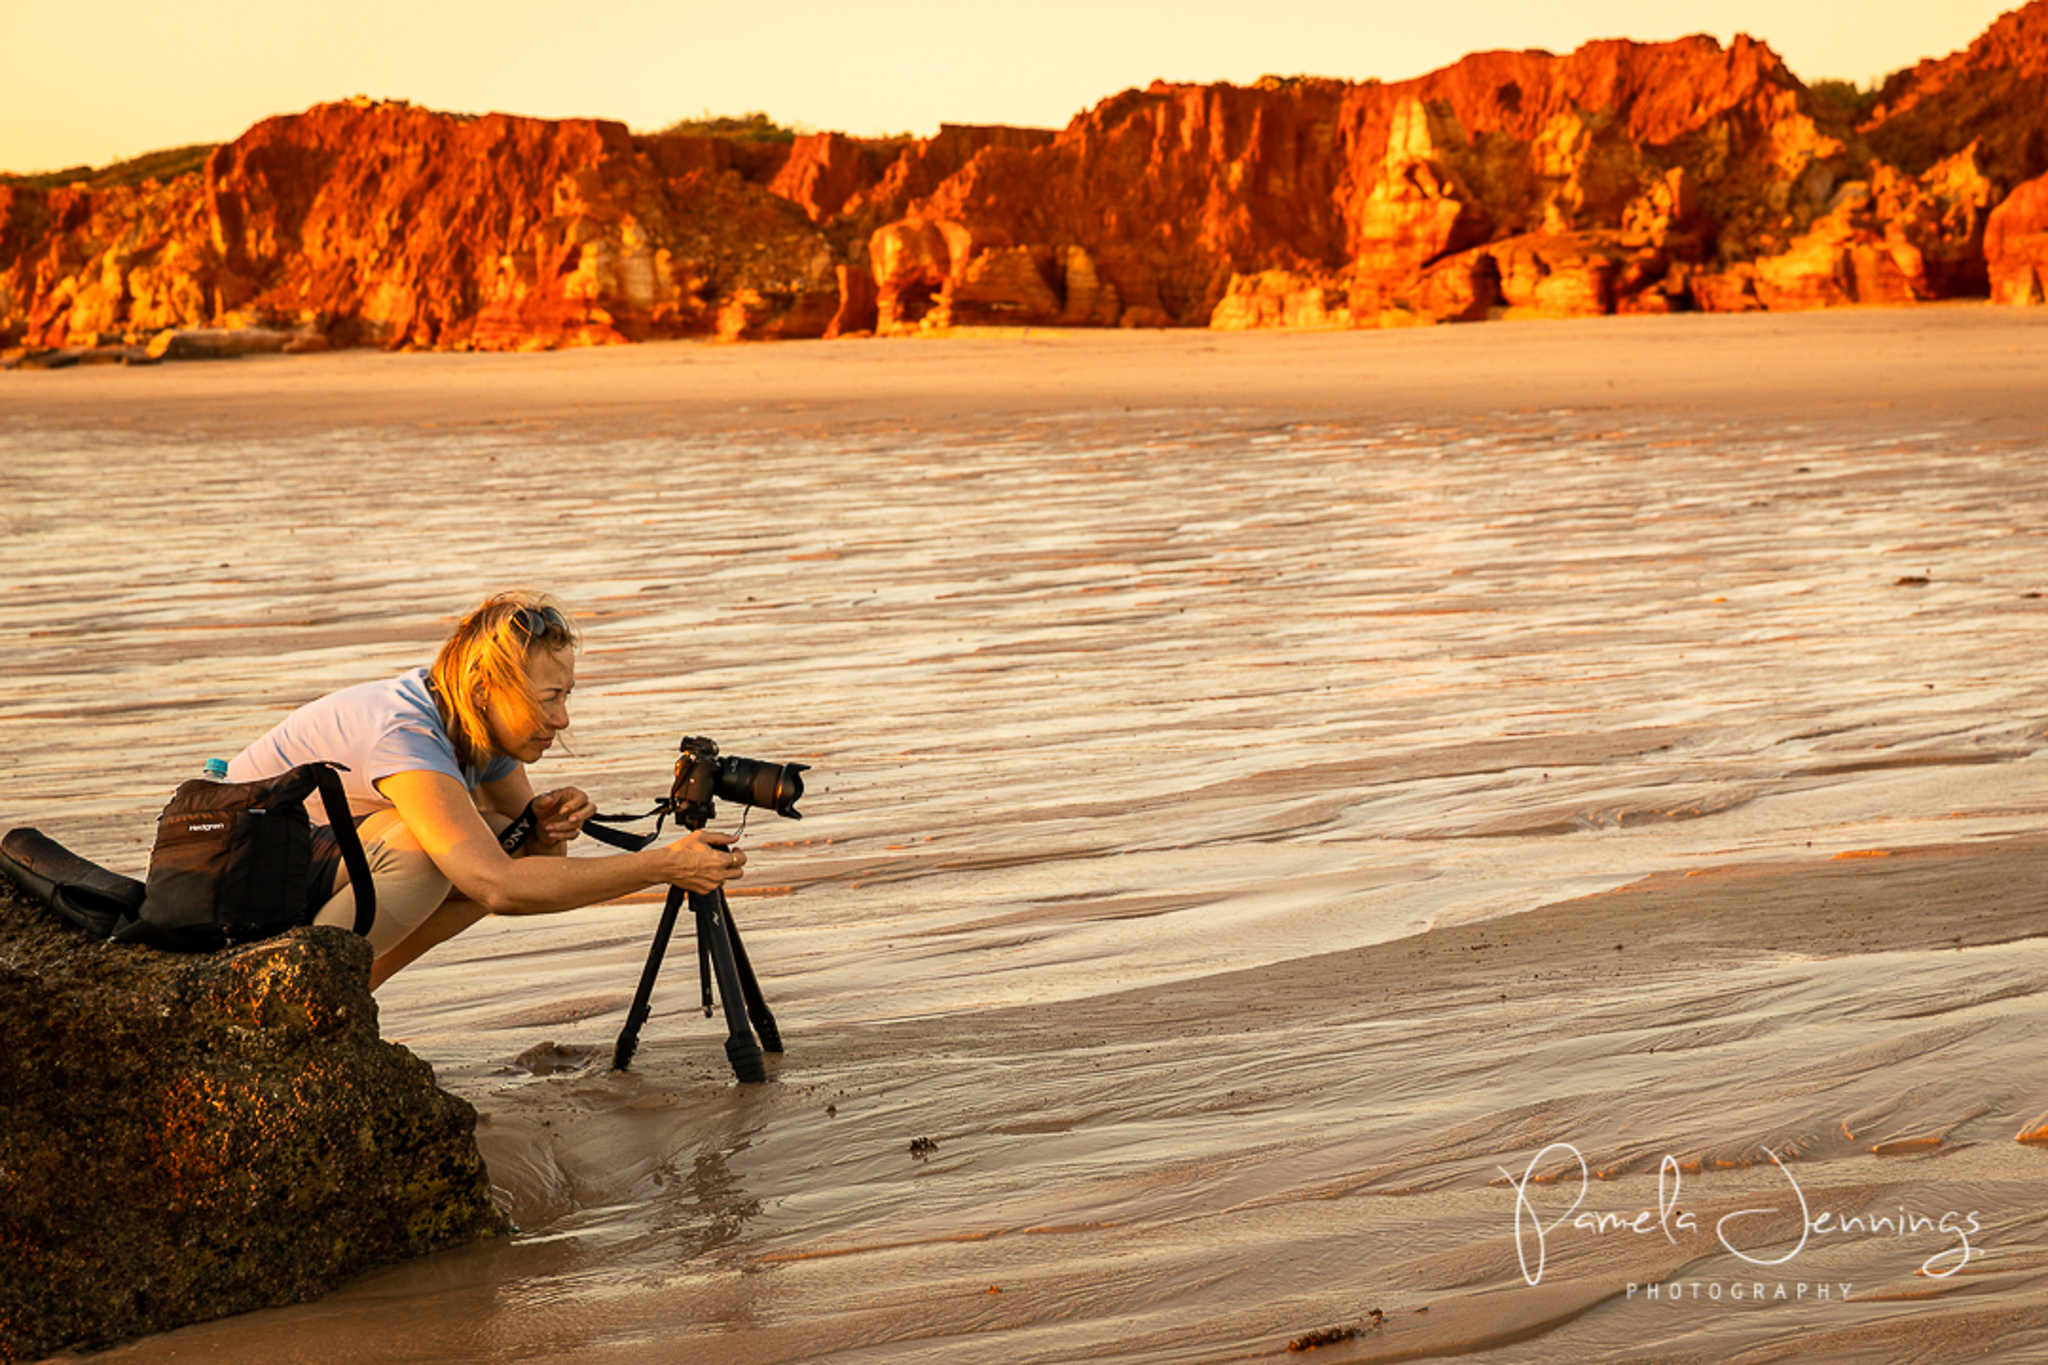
(1671, 1220)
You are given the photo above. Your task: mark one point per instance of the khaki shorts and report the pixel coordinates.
(409, 887)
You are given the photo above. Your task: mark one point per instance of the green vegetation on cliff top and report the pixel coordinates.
(161, 166)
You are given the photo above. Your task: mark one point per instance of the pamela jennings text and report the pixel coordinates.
(1670, 1219)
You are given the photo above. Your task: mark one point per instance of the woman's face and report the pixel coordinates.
(525, 732)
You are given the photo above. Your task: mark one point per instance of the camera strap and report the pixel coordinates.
(521, 829)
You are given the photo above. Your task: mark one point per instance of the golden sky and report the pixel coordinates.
(94, 81)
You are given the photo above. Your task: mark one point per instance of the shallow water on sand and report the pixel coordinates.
(1107, 703)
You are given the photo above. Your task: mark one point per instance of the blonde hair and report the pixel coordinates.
(485, 656)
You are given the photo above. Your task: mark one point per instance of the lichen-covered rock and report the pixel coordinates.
(183, 1137)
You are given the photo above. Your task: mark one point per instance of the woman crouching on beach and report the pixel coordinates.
(437, 761)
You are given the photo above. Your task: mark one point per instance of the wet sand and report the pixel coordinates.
(1280, 804)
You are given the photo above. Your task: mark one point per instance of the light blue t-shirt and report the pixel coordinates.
(372, 729)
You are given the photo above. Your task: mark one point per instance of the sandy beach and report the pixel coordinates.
(1856, 369)
(1523, 842)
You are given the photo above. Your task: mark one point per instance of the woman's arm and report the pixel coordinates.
(558, 815)
(438, 811)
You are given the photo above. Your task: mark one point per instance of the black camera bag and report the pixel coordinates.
(233, 862)
(78, 889)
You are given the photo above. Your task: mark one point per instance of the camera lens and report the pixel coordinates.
(777, 786)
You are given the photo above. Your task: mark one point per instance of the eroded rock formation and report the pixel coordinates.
(2016, 245)
(1623, 177)
(187, 1136)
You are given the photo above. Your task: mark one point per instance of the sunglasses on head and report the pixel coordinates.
(538, 623)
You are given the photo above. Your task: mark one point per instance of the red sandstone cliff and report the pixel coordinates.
(1620, 177)
(388, 225)
(1982, 112)
(1623, 177)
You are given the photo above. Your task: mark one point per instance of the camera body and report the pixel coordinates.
(703, 776)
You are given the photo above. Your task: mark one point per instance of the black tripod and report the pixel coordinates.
(721, 957)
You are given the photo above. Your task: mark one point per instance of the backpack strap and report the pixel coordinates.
(327, 778)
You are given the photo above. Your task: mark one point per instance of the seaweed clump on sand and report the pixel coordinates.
(183, 1137)
(1332, 1336)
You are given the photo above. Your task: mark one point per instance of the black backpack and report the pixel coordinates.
(233, 862)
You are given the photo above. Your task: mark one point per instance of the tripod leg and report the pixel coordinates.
(740, 1048)
(704, 972)
(629, 1036)
(757, 1003)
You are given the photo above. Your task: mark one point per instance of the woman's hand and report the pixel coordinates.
(559, 817)
(703, 861)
